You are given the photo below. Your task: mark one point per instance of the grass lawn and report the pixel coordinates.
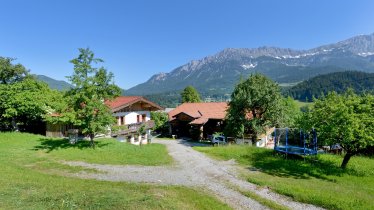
(321, 182)
(107, 151)
(31, 178)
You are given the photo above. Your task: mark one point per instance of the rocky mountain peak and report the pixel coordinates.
(257, 52)
(361, 45)
(217, 74)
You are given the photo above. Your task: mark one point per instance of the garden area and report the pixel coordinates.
(319, 181)
(34, 177)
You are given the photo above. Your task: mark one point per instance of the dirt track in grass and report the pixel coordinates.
(193, 169)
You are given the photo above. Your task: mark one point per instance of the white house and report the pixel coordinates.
(128, 110)
(132, 109)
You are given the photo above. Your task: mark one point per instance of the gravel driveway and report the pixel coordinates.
(193, 168)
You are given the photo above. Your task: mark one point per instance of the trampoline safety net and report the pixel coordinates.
(295, 141)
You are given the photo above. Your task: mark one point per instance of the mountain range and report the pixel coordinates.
(54, 84)
(58, 84)
(216, 75)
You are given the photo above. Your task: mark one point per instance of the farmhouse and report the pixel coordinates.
(197, 120)
(130, 111)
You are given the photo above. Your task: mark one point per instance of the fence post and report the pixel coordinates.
(286, 141)
(275, 138)
(304, 143)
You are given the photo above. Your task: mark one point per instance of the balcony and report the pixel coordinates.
(131, 129)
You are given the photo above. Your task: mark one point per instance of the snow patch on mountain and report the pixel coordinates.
(249, 66)
(366, 54)
(229, 64)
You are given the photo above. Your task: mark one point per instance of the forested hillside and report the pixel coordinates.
(54, 84)
(339, 81)
(169, 99)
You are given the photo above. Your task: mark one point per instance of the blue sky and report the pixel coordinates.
(140, 38)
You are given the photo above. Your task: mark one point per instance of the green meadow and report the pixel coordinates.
(319, 181)
(33, 177)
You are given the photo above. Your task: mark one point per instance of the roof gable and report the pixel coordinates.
(125, 101)
(183, 116)
(213, 110)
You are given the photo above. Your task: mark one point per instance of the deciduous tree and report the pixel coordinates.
(161, 122)
(92, 86)
(11, 73)
(255, 105)
(346, 119)
(190, 95)
(25, 103)
(290, 112)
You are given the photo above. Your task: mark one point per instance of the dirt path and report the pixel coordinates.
(193, 168)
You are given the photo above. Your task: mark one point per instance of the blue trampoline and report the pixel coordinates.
(295, 141)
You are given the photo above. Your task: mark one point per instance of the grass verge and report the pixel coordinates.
(321, 182)
(107, 151)
(268, 203)
(26, 182)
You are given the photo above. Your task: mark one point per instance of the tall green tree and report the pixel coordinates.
(190, 95)
(11, 73)
(255, 105)
(24, 101)
(92, 86)
(161, 122)
(290, 112)
(346, 119)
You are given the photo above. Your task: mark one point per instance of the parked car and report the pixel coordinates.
(217, 140)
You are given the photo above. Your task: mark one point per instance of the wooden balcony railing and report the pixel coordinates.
(133, 128)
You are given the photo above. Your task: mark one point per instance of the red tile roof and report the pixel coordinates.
(201, 111)
(199, 121)
(123, 101)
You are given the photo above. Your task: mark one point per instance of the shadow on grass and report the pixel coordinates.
(56, 144)
(191, 143)
(295, 166)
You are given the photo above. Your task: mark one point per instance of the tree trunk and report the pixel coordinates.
(92, 143)
(254, 139)
(347, 157)
(14, 125)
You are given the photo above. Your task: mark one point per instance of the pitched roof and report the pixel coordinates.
(199, 121)
(124, 101)
(202, 112)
